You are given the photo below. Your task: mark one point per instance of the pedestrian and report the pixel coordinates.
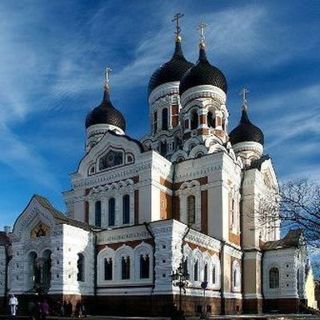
(32, 308)
(61, 308)
(44, 310)
(69, 309)
(13, 303)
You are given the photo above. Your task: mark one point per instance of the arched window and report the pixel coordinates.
(163, 148)
(191, 209)
(214, 274)
(86, 212)
(46, 270)
(185, 266)
(144, 266)
(80, 266)
(236, 276)
(126, 209)
(274, 278)
(211, 120)
(155, 122)
(205, 273)
(196, 271)
(107, 269)
(194, 120)
(165, 119)
(98, 214)
(112, 211)
(125, 268)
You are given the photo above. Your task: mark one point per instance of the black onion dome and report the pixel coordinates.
(106, 113)
(203, 73)
(173, 70)
(246, 131)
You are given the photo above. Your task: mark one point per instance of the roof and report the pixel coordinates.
(203, 73)
(246, 131)
(291, 240)
(59, 217)
(106, 113)
(171, 71)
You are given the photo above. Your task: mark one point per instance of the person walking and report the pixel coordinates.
(13, 303)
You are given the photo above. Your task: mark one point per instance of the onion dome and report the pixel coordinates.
(246, 131)
(203, 73)
(106, 113)
(171, 71)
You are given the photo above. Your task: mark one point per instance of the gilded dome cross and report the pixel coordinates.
(176, 18)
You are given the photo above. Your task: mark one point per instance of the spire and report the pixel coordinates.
(176, 18)
(106, 86)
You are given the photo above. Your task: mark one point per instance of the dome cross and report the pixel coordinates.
(201, 29)
(176, 18)
(244, 93)
(107, 73)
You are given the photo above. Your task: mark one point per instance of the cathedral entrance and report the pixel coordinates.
(40, 272)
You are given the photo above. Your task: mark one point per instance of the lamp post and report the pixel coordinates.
(180, 279)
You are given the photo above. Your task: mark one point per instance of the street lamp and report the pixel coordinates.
(180, 279)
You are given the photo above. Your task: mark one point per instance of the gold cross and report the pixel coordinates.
(244, 93)
(201, 28)
(176, 18)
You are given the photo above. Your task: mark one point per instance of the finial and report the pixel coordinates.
(201, 28)
(176, 18)
(107, 78)
(244, 92)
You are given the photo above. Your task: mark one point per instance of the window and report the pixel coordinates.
(274, 278)
(211, 120)
(111, 159)
(214, 274)
(125, 268)
(86, 212)
(144, 266)
(165, 119)
(98, 214)
(163, 148)
(236, 276)
(205, 275)
(108, 269)
(126, 209)
(196, 271)
(194, 120)
(191, 209)
(111, 215)
(80, 266)
(185, 266)
(155, 122)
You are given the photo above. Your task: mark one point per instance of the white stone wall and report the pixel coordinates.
(75, 241)
(288, 261)
(2, 270)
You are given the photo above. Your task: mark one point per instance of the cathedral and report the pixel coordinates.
(168, 221)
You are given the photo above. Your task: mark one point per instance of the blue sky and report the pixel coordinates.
(53, 55)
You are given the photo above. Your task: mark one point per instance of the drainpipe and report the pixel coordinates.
(147, 225)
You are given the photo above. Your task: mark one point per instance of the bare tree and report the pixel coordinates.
(296, 205)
